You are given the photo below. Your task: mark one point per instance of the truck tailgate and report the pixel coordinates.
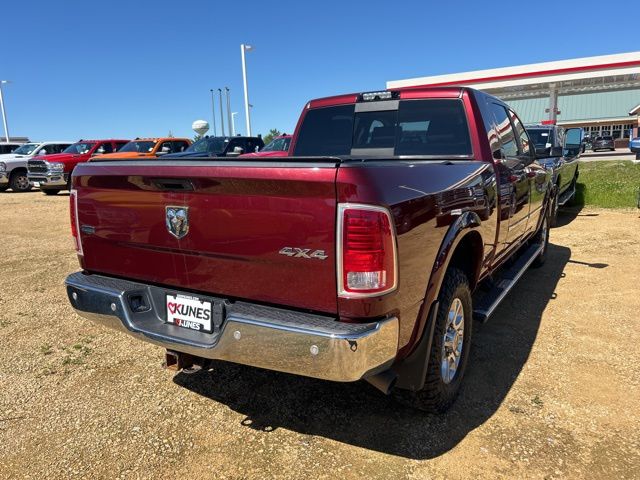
(239, 218)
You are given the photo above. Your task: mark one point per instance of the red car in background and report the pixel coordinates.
(52, 173)
(278, 147)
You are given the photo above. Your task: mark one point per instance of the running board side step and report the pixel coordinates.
(490, 301)
(566, 196)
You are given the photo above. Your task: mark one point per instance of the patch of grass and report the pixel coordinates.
(46, 349)
(609, 184)
(537, 401)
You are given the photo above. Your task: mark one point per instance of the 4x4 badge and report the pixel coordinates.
(177, 220)
(303, 253)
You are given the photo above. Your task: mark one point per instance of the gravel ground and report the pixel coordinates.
(552, 390)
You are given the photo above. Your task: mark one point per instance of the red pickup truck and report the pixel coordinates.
(53, 172)
(359, 256)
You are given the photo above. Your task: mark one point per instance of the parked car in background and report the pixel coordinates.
(13, 166)
(360, 257)
(208, 147)
(605, 142)
(147, 147)
(634, 146)
(52, 173)
(549, 142)
(278, 147)
(9, 147)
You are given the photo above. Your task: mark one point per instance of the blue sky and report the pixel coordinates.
(144, 68)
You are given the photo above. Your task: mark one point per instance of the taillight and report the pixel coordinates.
(73, 216)
(367, 258)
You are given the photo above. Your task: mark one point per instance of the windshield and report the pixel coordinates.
(26, 149)
(209, 145)
(541, 138)
(278, 145)
(138, 146)
(79, 148)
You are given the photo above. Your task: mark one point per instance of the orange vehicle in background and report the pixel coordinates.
(147, 147)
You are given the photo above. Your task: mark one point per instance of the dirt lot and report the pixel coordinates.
(552, 391)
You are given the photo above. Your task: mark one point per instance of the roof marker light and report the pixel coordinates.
(371, 96)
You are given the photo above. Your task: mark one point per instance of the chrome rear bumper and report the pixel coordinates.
(266, 337)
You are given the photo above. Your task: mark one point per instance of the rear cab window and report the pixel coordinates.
(424, 127)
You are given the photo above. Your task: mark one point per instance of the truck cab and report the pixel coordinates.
(13, 166)
(52, 173)
(140, 148)
(208, 147)
(550, 142)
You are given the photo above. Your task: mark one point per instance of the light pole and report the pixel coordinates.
(233, 123)
(226, 89)
(213, 114)
(4, 114)
(221, 112)
(244, 48)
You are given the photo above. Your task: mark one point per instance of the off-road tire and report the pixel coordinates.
(542, 236)
(4, 187)
(437, 396)
(50, 191)
(19, 182)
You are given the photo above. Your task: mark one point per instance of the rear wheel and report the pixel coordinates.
(450, 347)
(19, 182)
(50, 191)
(3, 188)
(637, 156)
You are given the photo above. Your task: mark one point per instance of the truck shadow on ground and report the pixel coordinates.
(359, 415)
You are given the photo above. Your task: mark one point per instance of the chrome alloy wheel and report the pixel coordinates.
(22, 182)
(452, 341)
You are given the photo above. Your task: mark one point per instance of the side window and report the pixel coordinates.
(165, 147)
(237, 142)
(105, 147)
(179, 146)
(59, 148)
(505, 131)
(119, 145)
(523, 138)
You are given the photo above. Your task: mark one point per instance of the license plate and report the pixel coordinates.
(36, 184)
(189, 312)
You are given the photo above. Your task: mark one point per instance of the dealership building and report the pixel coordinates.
(600, 94)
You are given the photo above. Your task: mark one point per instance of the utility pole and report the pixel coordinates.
(4, 114)
(243, 49)
(226, 89)
(213, 114)
(221, 113)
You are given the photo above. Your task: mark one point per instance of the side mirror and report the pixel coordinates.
(572, 142)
